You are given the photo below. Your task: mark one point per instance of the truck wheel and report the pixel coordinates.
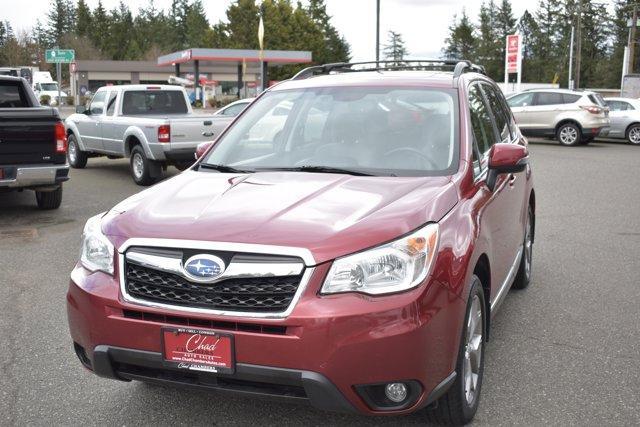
(569, 134)
(459, 405)
(49, 199)
(77, 158)
(143, 170)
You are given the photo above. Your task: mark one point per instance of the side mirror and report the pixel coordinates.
(506, 158)
(81, 109)
(202, 148)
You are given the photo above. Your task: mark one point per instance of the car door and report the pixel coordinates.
(520, 105)
(542, 114)
(110, 130)
(89, 124)
(501, 216)
(618, 117)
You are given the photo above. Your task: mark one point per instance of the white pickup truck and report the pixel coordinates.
(154, 126)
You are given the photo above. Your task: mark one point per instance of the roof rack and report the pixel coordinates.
(457, 66)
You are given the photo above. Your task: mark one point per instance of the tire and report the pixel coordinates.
(143, 171)
(633, 134)
(523, 278)
(77, 158)
(457, 407)
(48, 200)
(569, 134)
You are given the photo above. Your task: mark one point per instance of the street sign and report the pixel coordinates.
(60, 56)
(513, 52)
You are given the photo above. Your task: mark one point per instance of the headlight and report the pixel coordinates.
(394, 267)
(96, 252)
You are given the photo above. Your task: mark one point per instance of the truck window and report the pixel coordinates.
(12, 95)
(145, 102)
(111, 105)
(97, 103)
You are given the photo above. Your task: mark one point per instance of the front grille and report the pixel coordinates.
(255, 294)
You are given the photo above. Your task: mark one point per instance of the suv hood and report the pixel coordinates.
(329, 214)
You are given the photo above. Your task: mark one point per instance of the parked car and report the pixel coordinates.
(571, 117)
(356, 267)
(624, 114)
(33, 144)
(154, 126)
(234, 108)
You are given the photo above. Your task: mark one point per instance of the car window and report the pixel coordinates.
(521, 100)
(597, 99)
(234, 110)
(111, 105)
(548, 98)
(12, 95)
(619, 105)
(570, 99)
(377, 130)
(97, 102)
(481, 122)
(500, 115)
(625, 106)
(148, 102)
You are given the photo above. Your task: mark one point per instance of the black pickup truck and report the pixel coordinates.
(33, 144)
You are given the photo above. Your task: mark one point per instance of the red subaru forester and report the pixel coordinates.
(345, 242)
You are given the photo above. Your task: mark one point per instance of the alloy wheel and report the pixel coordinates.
(568, 135)
(634, 135)
(473, 351)
(73, 153)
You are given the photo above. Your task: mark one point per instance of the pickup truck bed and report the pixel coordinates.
(32, 145)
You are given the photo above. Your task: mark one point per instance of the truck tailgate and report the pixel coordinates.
(187, 133)
(27, 136)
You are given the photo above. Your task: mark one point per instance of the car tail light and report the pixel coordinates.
(592, 109)
(164, 133)
(61, 138)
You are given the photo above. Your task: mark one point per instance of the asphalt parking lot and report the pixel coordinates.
(566, 351)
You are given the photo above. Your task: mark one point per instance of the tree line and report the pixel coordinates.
(546, 34)
(119, 34)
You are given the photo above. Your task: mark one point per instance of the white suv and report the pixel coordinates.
(572, 117)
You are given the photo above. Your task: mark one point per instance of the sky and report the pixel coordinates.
(423, 23)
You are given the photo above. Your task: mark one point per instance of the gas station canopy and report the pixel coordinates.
(212, 57)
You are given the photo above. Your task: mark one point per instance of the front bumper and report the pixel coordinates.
(321, 353)
(34, 175)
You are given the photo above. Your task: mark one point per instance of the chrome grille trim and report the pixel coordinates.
(245, 267)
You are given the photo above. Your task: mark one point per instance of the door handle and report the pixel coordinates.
(207, 134)
(512, 179)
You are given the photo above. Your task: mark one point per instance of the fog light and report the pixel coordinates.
(396, 392)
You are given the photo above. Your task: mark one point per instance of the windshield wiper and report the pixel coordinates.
(222, 168)
(322, 169)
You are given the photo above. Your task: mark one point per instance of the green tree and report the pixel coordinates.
(83, 19)
(461, 42)
(100, 27)
(197, 25)
(505, 25)
(489, 46)
(395, 50)
(61, 20)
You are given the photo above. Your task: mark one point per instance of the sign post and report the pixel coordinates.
(59, 56)
(513, 59)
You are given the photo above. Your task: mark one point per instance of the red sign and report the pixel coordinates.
(513, 51)
(198, 350)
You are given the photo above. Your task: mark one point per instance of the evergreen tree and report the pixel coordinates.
(61, 20)
(197, 25)
(489, 47)
(461, 42)
(505, 25)
(100, 29)
(83, 19)
(395, 50)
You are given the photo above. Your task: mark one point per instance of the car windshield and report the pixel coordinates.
(403, 131)
(49, 86)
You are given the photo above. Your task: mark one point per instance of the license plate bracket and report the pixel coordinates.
(198, 350)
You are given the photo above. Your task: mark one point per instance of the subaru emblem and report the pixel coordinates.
(203, 268)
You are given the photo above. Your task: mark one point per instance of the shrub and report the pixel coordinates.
(70, 100)
(198, 103)
(45, 100)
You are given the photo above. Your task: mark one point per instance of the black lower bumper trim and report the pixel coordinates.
(126, 365)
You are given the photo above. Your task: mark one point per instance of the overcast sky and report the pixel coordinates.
(423, 23)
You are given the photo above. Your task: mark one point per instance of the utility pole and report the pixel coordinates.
(377, 32)
(570, 83)
(632, 39)
(578, 45)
